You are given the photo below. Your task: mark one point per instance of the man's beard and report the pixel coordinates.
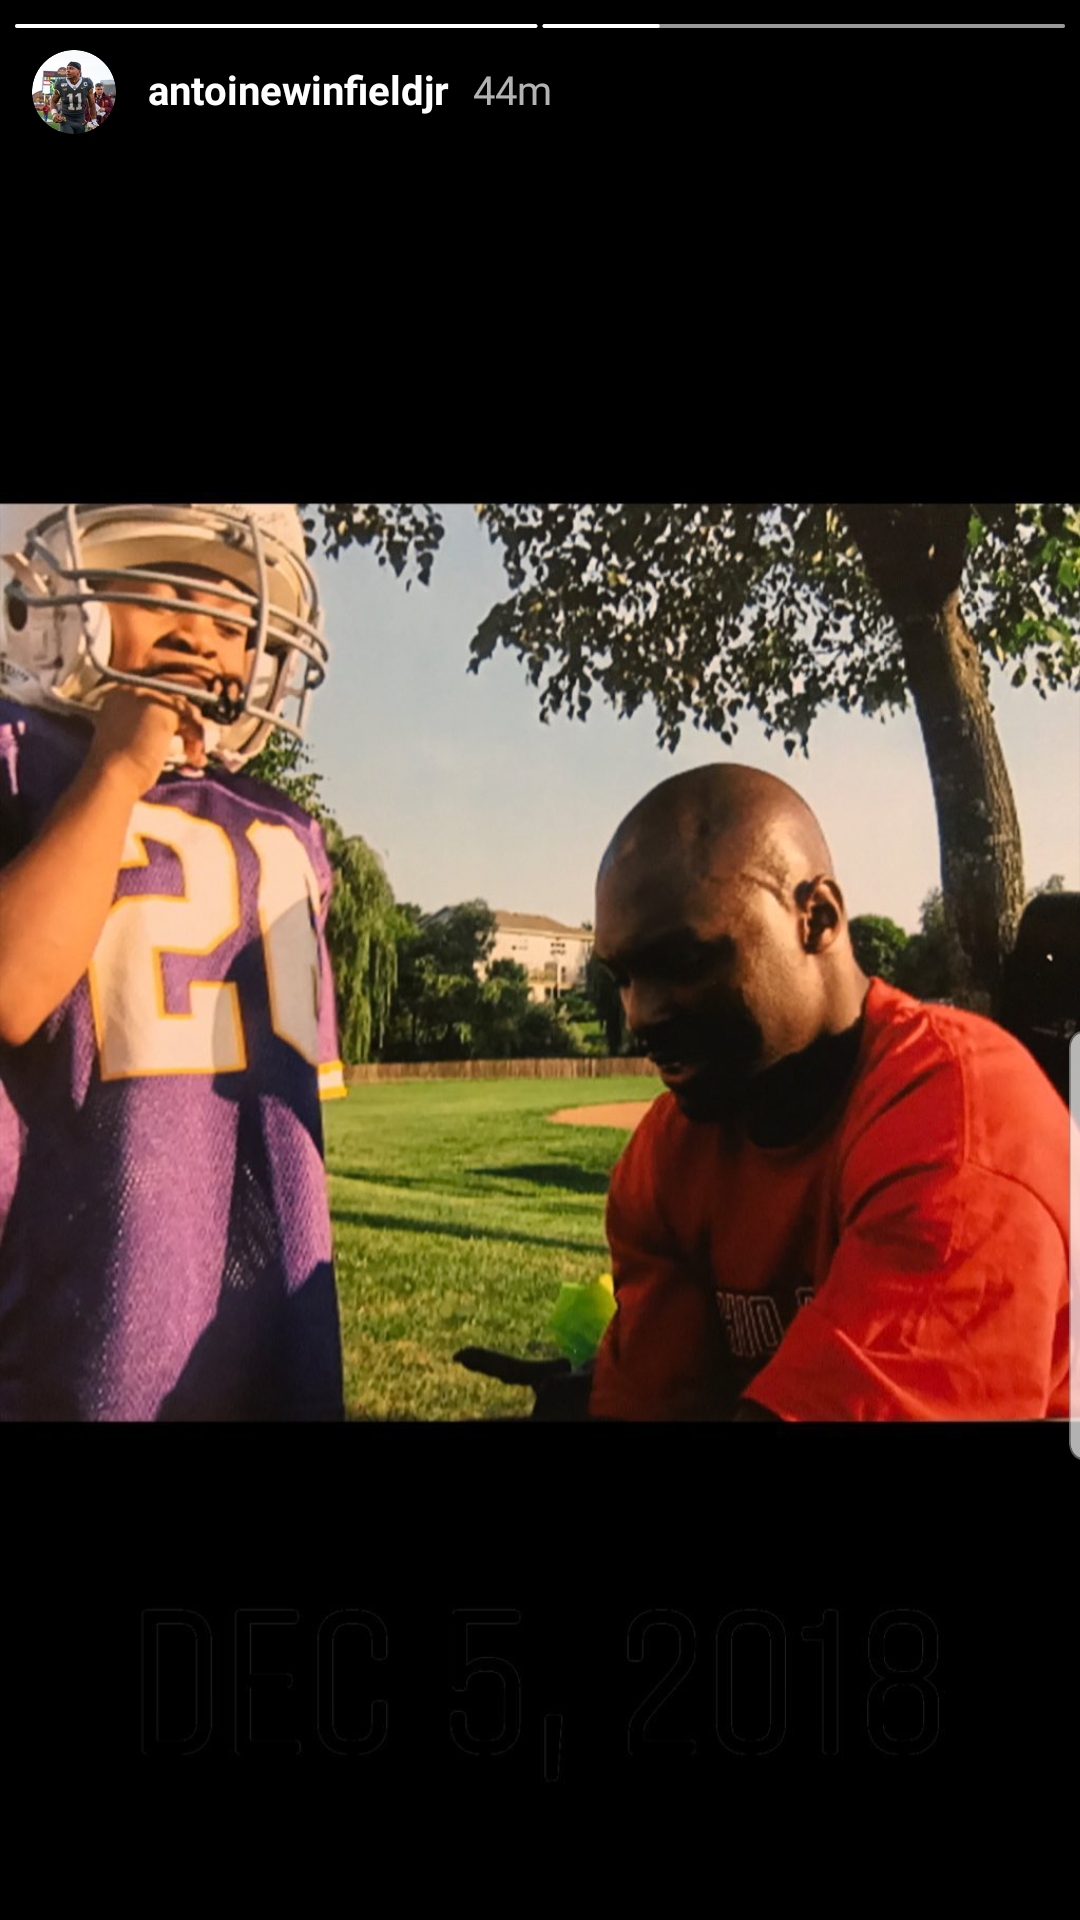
(720, 1068)
(715, 1094)
(727, 1077)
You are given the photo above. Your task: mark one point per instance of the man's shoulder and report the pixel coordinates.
(946, 1085)
(909, 1039)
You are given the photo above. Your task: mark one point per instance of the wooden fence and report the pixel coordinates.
(589, 1069)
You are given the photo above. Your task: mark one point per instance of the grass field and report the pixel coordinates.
(458, 1210)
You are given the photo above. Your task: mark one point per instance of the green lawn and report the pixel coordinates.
(458, 1210)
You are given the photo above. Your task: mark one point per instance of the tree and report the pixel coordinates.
(362, 931)
(502, 1002)
(285, 763)
(921, 965)
(461, 938)
(363, 924)
(544, 1032)
(508, 1025)
(923, 968)
(438, 998)
(398, 534)
(878, 944)
(445, 1010)
(712, 611)
(606, 998)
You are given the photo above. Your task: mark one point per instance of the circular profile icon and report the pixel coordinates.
(74, 92)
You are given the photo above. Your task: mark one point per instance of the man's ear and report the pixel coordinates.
(822, 906)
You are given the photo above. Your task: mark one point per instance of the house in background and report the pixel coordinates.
(554, 956)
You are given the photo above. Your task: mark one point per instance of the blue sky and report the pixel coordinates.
(454, 780)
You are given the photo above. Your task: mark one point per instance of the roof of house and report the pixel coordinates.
(537, 923)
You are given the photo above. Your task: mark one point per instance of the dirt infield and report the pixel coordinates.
(626, 1113)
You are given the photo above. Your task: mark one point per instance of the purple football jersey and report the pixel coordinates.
(165, 1246)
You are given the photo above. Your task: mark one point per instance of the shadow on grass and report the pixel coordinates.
(397, 1223)
(553, 1174)
(573, 1179)
(408, 1182)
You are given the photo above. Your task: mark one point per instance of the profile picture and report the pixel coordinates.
(74, 92)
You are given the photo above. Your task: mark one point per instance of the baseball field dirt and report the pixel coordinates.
(626, 1113)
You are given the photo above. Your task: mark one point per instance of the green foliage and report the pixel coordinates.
(1023, 590)
(444, 1010)
(878, 943)
(399, 534)
(923, 968)
(362, 926)
(712, 610)
(362, 933)
(578, 1006)
(502, 1002)
(545, 1033)
(285, 763)
(460, 938)
(921, 965)
(590, 1036)
(704, 604)
(437, 988)
(607, 1000)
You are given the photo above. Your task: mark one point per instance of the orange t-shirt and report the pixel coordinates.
(908, 1261)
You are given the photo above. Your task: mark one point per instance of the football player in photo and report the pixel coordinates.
(71, 93)
(167, 1022)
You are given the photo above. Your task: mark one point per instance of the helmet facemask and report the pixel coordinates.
(58, 640)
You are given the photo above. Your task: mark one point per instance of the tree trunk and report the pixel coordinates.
(914, 556)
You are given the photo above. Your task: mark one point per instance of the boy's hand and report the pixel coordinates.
(134, 730)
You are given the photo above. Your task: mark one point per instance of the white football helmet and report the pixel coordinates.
(56, 644)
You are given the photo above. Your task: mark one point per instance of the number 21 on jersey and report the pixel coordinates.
(136, 1034)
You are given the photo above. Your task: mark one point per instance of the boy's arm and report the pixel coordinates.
(55, 895)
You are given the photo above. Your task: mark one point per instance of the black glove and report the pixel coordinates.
(561, 1391)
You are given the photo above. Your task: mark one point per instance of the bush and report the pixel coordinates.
(543, 1033)
(878, 944)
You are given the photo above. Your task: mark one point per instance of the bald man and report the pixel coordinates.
(848, 1205)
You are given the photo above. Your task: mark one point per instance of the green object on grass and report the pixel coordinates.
(582, 1311)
